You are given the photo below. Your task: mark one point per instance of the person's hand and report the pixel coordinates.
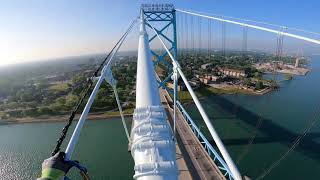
(55, 167)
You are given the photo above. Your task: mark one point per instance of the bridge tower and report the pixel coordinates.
(155, 14)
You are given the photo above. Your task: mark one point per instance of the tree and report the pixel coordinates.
(44, 110)
(288, 76)
(259, 85)
(71, 100)
(257, 75)
(247, 82)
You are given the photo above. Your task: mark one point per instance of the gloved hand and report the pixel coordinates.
(55, 167)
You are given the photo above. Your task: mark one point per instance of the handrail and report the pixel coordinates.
(208, 146)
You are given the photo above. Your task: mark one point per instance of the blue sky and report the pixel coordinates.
(42, 29)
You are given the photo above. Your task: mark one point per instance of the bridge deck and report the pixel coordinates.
(195, 158)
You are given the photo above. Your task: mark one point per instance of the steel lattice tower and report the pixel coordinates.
(155, 13)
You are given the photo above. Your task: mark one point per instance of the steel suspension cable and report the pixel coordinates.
(187, 36)
(200, 37)
(244, 41)
(254, 27)
(84, 93)
(223, 39)
(260, 22)
(121, 114)
(104, 76)
(192, 40)
(209, 39)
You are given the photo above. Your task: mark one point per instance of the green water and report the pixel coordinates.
(102, 148)
(103, 145)
(283, 114)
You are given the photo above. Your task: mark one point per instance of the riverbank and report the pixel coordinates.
(236, 89)
(63, 118)
(206, 91)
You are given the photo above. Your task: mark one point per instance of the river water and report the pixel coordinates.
(280, 116)
(102, 149)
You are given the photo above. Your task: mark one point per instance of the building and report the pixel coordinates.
(179, 87)
(205, 66)
(204, 80)
(194, 83)
(297, 63)
(215, 78)
(233, 72)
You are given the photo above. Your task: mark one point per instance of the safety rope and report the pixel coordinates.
(84, 93)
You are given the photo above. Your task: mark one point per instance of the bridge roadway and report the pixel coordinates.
(192, 159)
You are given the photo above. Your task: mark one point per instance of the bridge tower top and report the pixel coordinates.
(159, 8)
(154, 14)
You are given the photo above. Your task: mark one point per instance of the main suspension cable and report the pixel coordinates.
(84, 93)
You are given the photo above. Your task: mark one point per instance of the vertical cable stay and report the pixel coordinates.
(212, 36)
(315, 41)
(279, 49)
(187, 36)
(209, 39)
(192, 36)
(182, 47)
(192, 41)
(244, 41)
(223, 39)
(121, 114)
(200, 37)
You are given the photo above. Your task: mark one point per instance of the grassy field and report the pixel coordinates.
(205, 91)
(117, 113)
(60, 87)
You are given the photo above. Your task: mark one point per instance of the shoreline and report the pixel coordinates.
(59, 118)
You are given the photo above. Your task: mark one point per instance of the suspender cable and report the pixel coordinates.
(295, 36)
(244, 41)
(234, 170)
(192, 36)
(200, 40)
(187, 37)
(223, 39)
(183, 35)
(209, 39)
(121, 114)
(76, 133)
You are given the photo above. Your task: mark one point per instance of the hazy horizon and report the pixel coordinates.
(38, 30)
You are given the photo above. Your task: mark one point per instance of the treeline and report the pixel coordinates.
(57, 93)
